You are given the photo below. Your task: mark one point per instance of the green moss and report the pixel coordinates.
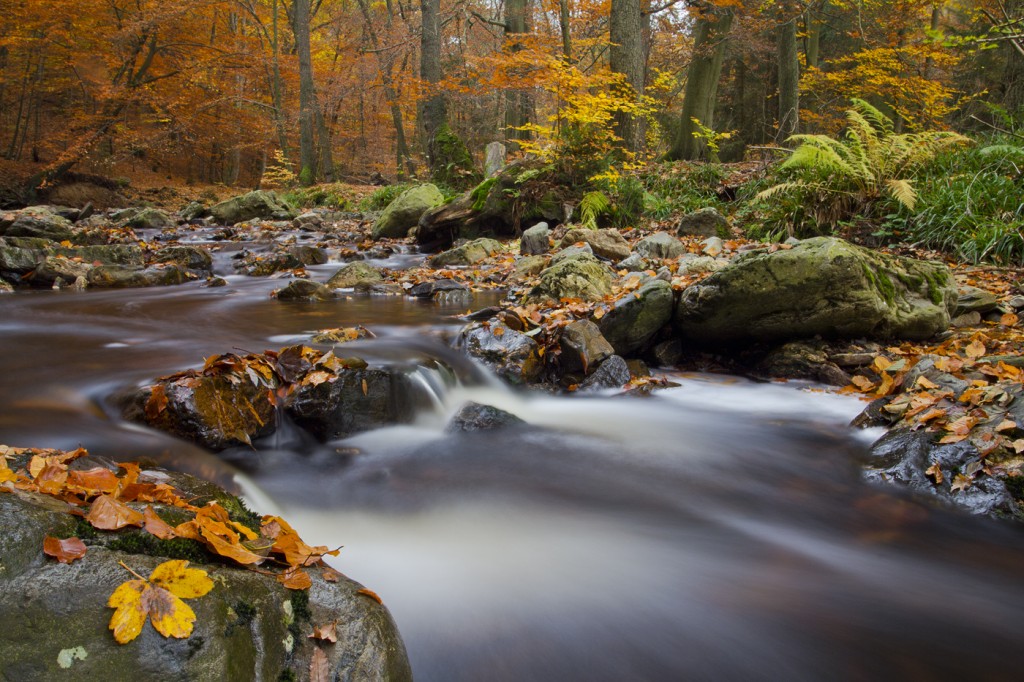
(480, 192)
(451, 162)
(239, 513)
(245, 613)
(141, 542)
(77, 528)
(1015, 486)
(287, 676)
(937, 281)
(300, 606)
(885, 286)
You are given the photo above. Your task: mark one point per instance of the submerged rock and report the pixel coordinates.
(351, 401)
(612, 373)
(304, 290)
(821, 286)
(476, 417)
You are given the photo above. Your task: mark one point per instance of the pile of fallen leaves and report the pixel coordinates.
(967, 393)
(129, 497)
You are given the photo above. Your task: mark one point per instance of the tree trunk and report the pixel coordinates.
(564, 25)
(701, 89)
(789, 81)
(518, 103)
(403, 159)
(433, 111)
(627, 57)
(307, 93)
(812, 33)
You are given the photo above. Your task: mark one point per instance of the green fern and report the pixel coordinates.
(846, 177)
(593, 206)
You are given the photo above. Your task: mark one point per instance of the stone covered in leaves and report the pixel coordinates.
(821, 286)
(512, 355)
(249, 626)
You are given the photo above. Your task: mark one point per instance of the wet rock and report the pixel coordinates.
(926, 368)
(404, 213)
(308, 221)
(607, 244)
(535, 241)
(903, 457)
(467, 254)
(668, 353)
(613, 373)
(355, 400)
(150, 219)
(802, 360)
(572, 251)
(353, 274)
(16, 262)
(126, 255)
(476, 417)
(583, 347)
(432, 289)
(308, 255)
(713, 246)
(660, 245)
(258, 204)
(215, 411)
(380, 288)
(706, 222)
(121, 277)
(513, 356)
(695, 264)
(974, 300)
(264, 265)
(39, 222)
(194, 211)
(635, 263)
(304, 290)
(583, 277)
(215, 282)
(528, 266)
(188, 257)
(821, 286)
(969, 319)
(59, 268)
(55, 620)
(634, 320)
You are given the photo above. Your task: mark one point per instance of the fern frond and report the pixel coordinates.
(781, 188)
(592, 206)
(1004, 149)
(903, 192)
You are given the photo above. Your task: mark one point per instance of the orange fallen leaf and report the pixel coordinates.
(1006, 425)
(65, 551)
(93, 481)
(332, 576)
(935, 473)
(295, 579)
(326, 632)
(160, 599)
(863, 384)
(106, 513)
(156, 526)
(975, 349)
(319, 666)
(371, 594)
(157, 402)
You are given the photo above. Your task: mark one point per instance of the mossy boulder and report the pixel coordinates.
(634, 320)
(258, 204)
(467, 254)
(450, 160)
(150, 219)
(249, 627)
(188, 257)
(403, 214)
(822, 286)
(42, 222)
(304, 290)
(353, 274)
(122, 277)
(705, 222)
(582, 277)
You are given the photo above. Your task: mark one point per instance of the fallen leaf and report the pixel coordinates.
(1006, 425)
(156, 526)
(106, 513)
(157, 403)
(319, 666)
(975, 349)
(1009, 320)
(64, 551)
(936, 473)
(93, 481)
(326, 632)
(960, 482)
(365, 387)
(332, 576)
(371, 594)
(925, 383)
(295, 579)
(863, 384)
(159, 598)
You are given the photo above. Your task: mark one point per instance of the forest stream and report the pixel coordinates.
(713, 531)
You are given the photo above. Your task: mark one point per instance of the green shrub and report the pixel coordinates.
(971, 204)
(673, 189)
(380, 198)
(837, 180)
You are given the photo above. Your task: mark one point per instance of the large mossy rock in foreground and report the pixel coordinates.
(258, 204)
(403, 214)
(249, 627)
(821, 286)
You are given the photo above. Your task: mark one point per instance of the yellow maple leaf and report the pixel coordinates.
(160, 598)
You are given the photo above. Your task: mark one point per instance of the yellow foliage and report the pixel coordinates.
(159, 598)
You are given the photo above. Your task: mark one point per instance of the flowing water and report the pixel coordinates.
(714, 531)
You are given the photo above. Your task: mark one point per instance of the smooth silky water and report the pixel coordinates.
(715, 531)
